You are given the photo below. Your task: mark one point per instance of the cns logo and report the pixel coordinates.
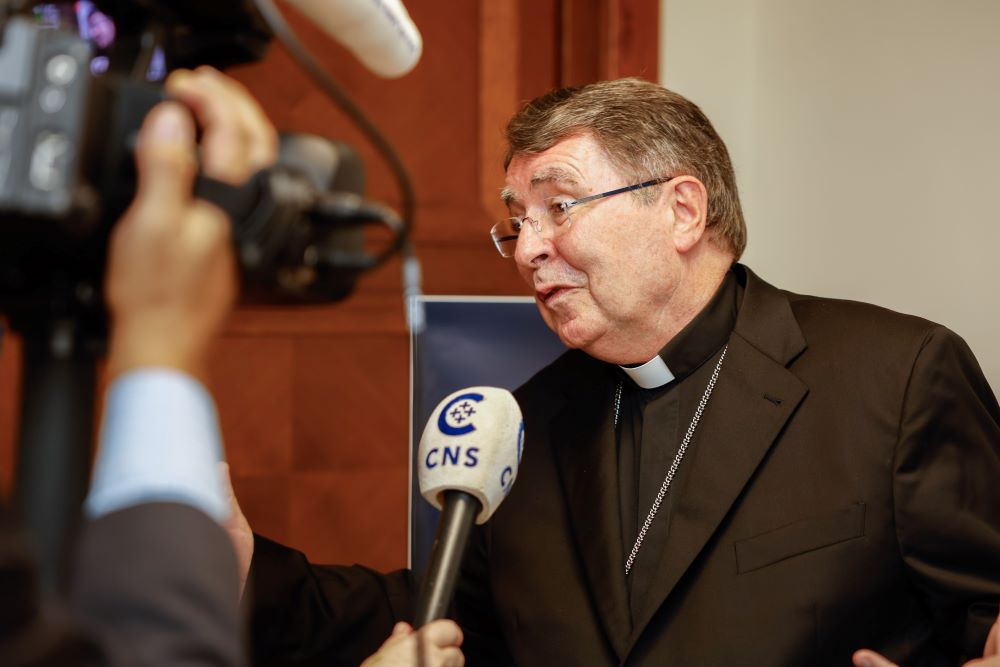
(507, 474)
(457, 417)
(520, 441)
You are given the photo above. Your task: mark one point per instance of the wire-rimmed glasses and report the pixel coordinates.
(557, 216)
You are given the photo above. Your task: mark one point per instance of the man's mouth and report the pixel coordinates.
(547, 294)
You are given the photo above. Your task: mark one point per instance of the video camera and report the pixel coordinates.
(76, 80)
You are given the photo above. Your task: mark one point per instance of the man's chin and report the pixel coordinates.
(575, 336)
(594, 343)
(574, 331)
(590, 342)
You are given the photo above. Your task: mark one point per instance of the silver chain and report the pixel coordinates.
(618, 401)
(677, 458)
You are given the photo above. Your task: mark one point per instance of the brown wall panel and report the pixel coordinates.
(252, 383)
(351, 409)
(266, 499)
(583, 38)
(635, 46)
(498, 84)
(539, 53)
(351, 516)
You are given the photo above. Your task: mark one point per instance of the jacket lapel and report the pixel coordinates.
(755, 396)
(584, 447)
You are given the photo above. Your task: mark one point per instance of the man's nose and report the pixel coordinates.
(533, 247)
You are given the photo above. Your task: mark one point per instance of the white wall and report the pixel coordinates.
(866, 140)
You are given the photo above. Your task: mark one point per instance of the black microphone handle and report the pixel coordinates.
(452, 536)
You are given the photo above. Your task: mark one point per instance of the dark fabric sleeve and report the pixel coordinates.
(156, 584)
(947, 490)
(474, 609)
(305, 614)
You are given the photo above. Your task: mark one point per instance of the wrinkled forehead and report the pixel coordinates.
(572, 164)
(552, 175)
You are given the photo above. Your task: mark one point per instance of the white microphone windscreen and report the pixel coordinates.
(379, 32)
(473, 443)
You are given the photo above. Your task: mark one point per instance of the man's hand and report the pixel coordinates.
(866, 658)
(171, 273)
(171, 270)
(434, 645)
(238, 139)
(991, 653)
(238, 529)
(992, 647)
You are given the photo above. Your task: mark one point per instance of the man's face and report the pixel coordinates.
(605, 281)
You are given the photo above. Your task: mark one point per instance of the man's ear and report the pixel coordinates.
(689, 203)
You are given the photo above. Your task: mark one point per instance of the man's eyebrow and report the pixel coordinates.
(554, 175)
(542, 177)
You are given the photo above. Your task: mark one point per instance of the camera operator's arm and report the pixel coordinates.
(238, 141)
(170, 285)
(156, 578)
(171, 274)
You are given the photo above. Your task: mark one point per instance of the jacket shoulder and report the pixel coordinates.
(850, 320)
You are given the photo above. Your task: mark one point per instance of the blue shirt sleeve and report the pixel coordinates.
(160, 442)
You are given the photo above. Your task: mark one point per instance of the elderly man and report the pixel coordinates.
(719, 472)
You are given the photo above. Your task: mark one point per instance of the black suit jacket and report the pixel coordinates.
(154, 584)
(841, 492)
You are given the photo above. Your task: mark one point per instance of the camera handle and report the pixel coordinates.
(55, 444)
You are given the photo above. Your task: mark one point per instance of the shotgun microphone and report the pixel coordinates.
(379, 32)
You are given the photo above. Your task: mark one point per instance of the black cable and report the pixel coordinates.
(284, 33)
(337, 207)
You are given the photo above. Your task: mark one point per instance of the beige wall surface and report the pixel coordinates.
(866, 140)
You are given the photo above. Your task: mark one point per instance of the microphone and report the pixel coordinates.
(379, 32)
(469, 454)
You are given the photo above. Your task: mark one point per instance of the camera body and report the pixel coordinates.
(67, 174)
(44, 96)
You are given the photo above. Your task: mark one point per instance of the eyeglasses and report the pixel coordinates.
(557, 215)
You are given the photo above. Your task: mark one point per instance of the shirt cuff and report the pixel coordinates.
(160, 442)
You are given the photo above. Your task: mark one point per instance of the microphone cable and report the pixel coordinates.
(289, 39)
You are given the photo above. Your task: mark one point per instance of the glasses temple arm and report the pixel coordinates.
(618, 191)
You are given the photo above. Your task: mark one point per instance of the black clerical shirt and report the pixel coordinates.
(652, 425)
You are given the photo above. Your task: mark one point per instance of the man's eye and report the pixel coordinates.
(516, 224)
(559, 209)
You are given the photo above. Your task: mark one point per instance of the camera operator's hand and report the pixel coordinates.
(171, 277)
(171, 270)
(238, 139)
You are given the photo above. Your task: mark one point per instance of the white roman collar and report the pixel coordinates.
(652, 374)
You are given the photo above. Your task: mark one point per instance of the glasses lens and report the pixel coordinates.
(504, 235)
(557, 209)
